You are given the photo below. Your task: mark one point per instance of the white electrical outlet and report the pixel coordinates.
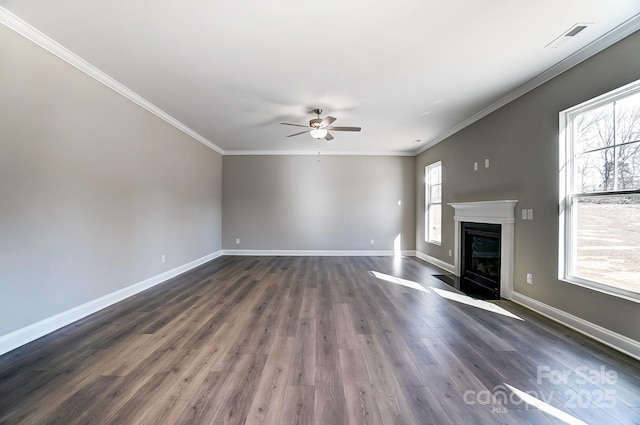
(449, 253)
(237, 241)
(486, 163)
(373, 241)
(475, 166)
(163, 258)
(530, 278)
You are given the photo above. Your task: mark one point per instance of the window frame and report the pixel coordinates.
(428, 202)
(569, 196)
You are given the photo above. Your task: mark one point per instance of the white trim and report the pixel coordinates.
(496, 212)
(622, 343)
(428, 203)
(436, 262)
(39, 329)
(569, 195)
(314, 253)
(26, 30)
(318, 153)
(29, 32)
(620, 32)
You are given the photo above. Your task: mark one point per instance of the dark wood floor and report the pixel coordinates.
(314, 340)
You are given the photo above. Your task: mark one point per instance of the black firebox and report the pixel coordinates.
(481, 258)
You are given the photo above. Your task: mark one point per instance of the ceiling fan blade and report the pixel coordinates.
(297, 134)
(344, 128)
(327, 121)
(295, 125)
(328, 137)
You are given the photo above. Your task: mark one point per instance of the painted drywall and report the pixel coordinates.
(318, 202)
(521, 142)
(93, 189)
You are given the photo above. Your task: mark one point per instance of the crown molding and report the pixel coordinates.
(16, 24)
(316, 153)
(618, 33)
(21, 27)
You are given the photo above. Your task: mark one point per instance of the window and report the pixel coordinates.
(433, 201)
(600, 193)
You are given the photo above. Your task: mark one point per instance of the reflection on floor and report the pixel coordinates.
(465, 287)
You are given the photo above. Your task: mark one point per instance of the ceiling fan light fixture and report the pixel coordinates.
(318, 133)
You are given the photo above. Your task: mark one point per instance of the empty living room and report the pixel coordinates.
(331, 213)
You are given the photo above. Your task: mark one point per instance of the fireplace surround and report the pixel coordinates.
(488, 212)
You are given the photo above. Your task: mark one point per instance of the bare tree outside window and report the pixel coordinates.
(607, 147)
(604, 197)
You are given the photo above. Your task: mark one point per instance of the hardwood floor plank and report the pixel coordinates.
(266, 408)
(317, 340)
(195, 371)
(362, 407)
(345, 332)
(202, 408)
(243, 383)
(164, 412)
(392, 404)
(461, 404)
(303, 358)
(326, 339)
(330, 405)
(289, 320)
(142, 400)
(298, 405)
(450, 364)
(71, 410)
(424, 406)
(130, 353)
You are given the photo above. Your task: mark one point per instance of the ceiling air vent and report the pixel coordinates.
(569, 34)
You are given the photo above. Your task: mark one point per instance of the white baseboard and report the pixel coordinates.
(439, 263)
(614, 340)
(39, 329)
(314, 253)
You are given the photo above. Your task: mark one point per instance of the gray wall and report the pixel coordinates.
(93, 189)
(318, 202)
(521, 141)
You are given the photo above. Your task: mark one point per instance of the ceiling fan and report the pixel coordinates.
(319, 127)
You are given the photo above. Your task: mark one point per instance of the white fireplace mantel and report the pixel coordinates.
(494, 212)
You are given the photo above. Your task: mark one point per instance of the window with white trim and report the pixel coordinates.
(433, 203)
(600, 193)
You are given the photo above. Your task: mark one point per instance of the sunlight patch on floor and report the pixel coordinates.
(400, 281)
(546, 407)
(485, 305)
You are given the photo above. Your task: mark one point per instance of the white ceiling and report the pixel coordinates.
(404, 70)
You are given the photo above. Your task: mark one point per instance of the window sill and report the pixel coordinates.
(602, 288)
(434, 243)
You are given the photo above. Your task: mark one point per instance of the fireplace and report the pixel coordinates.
(480, 251)
(499, 213)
